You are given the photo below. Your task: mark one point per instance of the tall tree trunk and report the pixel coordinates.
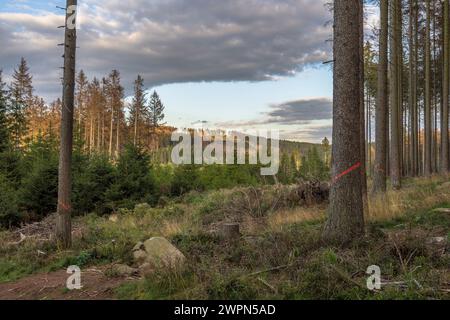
(428, 132)
(381, 114)
(346, 210)
(412, 99)
(118, 134)
(63, 221)
(361, 113)
(111, 127)
(445, 93)
(136, 123)
(395, 118)
(435, 94)
(417, 110)
(399, 37)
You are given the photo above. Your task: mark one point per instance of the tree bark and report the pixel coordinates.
(445, 94)
(413, 87)
(63, 222)
(379, 178)
(346, 211)
(428, 132)
(394, 105)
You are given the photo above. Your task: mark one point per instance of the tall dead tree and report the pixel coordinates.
(379, 181)
(63, 222)
(346, 210)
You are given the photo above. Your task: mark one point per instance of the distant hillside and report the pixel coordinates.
(162, 148)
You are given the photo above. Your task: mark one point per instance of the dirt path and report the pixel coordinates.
(95, 286)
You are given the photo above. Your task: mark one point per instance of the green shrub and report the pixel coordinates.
(9, 213)
(91, 185)
(133, 182)
(39, 191)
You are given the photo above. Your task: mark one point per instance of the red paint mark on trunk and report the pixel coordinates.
(65, 207)
(346, 172)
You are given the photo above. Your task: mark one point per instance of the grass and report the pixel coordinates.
(280, 256)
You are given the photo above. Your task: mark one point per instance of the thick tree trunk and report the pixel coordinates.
(445, 93)
(63, 222)
(346, 211)
(379, 178)
(428, 132)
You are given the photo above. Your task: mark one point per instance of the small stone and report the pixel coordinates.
(113, 218)
(437, 240)
(138, 246)
(139, 256)
(124, 270)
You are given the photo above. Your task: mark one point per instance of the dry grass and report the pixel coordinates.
(417, 194)
(281, 218)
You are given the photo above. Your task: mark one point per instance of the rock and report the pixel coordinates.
(146, 269)
(436, 246)
(437, 240)
(139, 256)
(158, 254)
(138, 246)
(139, 253)
(124, 270)
(113, 218)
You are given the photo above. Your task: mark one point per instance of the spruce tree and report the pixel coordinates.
(156, 111)
(21, 91)
(4, 132)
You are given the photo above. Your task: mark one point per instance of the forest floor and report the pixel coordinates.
(279, 256)
(52, 286)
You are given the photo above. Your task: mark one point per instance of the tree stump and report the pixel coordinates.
(230, 231)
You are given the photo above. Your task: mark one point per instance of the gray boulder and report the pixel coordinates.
(158, 254)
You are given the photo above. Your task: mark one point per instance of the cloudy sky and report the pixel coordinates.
(242, 64)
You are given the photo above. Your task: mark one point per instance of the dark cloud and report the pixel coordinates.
(169, 41)
(301, 120)
(293, 112)
(309, 133)
(301, 111)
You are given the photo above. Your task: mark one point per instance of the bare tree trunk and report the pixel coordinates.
(428, 132)
(445, 93)
(435, 95)
(346, 210)
(63, 222)
(361, 113)
(136, 123)
(417, 109)
(395, 134)
(412, 88)
(381, 114)
(111, 132)
(118, 134)
(399, 37)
